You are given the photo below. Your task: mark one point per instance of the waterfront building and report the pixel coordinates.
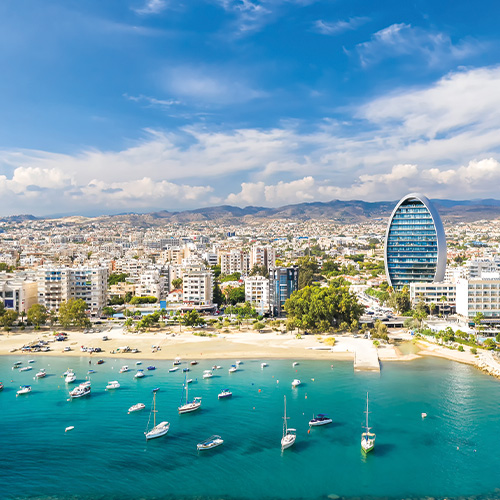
(91, 285)
(257, 292)
(53, 286)
(18, 291)
(152, 283)
(283, 281)
(415, 243)
(443, 295)
(479, 295)
(197, 288)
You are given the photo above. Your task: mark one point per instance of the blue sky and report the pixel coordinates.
(111, 106)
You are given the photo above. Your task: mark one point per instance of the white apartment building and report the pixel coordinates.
(479, 295)
(257, 292)
(263, 256)
(197, 288)
(437, 293)
(17, 291)
(59, 284)
(476, 267)
(91, 285)
(53, 286)
(210, 257)
(235, 261)
(152, 284)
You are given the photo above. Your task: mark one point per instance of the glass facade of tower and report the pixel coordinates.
(413, 240)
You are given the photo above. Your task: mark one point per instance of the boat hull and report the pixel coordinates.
(287, 442)
(158, 431)
(321, 422)
(189, 408)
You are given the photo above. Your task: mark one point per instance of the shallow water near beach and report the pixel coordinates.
(451, 453)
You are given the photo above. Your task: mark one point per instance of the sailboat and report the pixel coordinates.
(289, 435)
(158, 430)
(188, 406)
(367, 437)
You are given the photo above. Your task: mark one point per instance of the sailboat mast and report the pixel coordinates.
(366, 412)
(284, 420)
(154, 409)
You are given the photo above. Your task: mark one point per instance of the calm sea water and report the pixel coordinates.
(453, 452)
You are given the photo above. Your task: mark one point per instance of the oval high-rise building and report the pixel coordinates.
(415, 243)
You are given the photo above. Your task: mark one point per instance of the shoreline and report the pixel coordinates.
(237, 344)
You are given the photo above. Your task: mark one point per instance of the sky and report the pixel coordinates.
(112, 106)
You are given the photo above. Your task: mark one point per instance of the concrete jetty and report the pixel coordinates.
(366, 357)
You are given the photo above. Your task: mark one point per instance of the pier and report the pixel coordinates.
(366, 357)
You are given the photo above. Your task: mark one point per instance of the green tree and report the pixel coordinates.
(192, 318)
(8, 318)
(37, 314)
(322, 309)
(218, 297)
(401, 300)
(236, 295)
(108, 311)
(177, 283)
(259, 271)
(308, 269)
(73, 313)
(216, 271)
(115, 278)
(230, 277)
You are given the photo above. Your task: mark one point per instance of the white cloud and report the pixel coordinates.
(209, 85)
(152, 101)
(152, 7)
(405, 40)
(337, 27)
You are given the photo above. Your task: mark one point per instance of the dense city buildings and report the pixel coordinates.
(415, 243)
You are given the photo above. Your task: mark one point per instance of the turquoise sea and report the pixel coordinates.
(451, 453)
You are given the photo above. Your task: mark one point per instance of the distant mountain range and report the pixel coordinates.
(341, 211)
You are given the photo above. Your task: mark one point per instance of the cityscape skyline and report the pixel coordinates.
(148, 105)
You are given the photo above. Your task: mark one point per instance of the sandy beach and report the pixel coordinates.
(235, 344)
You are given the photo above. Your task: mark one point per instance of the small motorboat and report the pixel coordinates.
(194, 363)
(138, 362)
(87, 383)
(296, 383)
(67, 372)
(185, 370)
(225, 393)
(114, 384)
(70, 428)
(80, 391)
(124, 369)
(320, 419)
(208, 374)
(100, 362)
(211, 442)
(26, 369)
(31, 360)
(295, 363)
(189, 381)
(151, 367)
(177, 361)
(70, 377)
(263, 365)
(17, 364)
(42, 373)
(139, 374)
(137, 407)
(174, 369)
(238, 363)
(90, 372)
(424, 415)
(156, 389)
(233, 369)
(1, 386)
(24, 389)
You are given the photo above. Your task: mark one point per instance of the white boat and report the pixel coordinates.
(233, 369)
(225, 393)
(320, 419)
(70, 428)
(137, 407)
(295, 363)
(124, 369)
(158, 430)
(289, 435)
(67, 372)
(26, 369)
(188, 406)
(424, 415)
(87, 383)
(138, 362)
(42, 373)
(296, 382)
(174, 369)
(367, 437)
(139, 374)
(177, 361)
(189, 381)
(24, 389)
(17, 364)
(31, 360)
(238, 363)
(114, 384)
(263, 365)
(70, 377)
(211, 442)
(208, 374)
(216, 367)
(80, 391)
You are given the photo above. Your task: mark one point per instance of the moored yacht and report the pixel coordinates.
(296, 383)
(188, 406)
(139, 374)
(177, 361)
(320, 419)
(233, 369)
(114, 384)
(211, 442)
(367, 437)
(208, 374)
(263, 365)
(42, 373)
(174, 369)
(26, 369)
(158, 430)
(137, 407)
(295, 363)
(194, 362)
(151, 367)
(24, 389)
(124, 369)
(225, 393)
(79, 391)
(70, 377)
(289, 435)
